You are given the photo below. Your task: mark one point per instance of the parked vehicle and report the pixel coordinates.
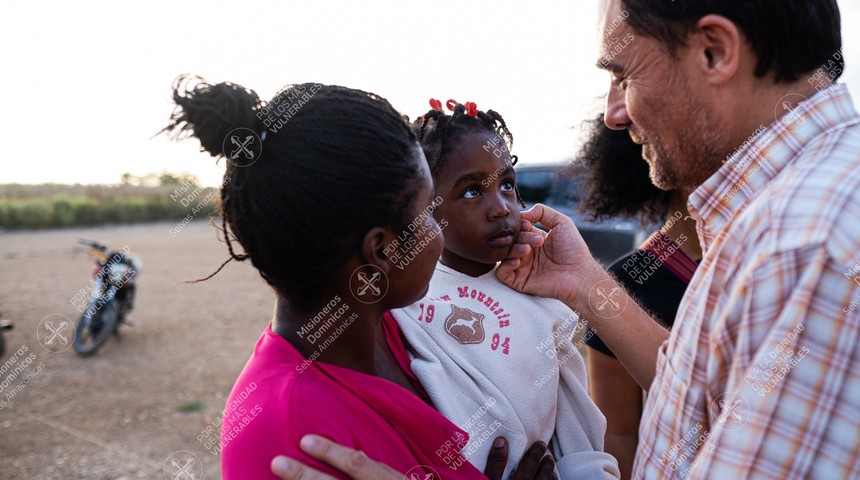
(111, 297)
(548, 184)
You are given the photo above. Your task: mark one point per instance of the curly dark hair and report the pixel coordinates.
(616, 179)
(329, 164)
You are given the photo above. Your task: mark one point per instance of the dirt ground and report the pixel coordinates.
(136, 409)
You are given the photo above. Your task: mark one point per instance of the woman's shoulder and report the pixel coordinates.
(269, 409)
(278, 398)
(283, 385)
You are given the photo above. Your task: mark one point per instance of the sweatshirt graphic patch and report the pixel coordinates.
(465, 326)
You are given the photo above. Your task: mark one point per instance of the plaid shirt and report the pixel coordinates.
(760, 377)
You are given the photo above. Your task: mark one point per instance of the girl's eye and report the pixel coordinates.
(508, 186)
(472, 192)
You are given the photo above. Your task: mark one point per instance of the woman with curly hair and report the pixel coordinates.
(656, 273)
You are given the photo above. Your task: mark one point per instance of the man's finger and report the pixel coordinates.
(289, 469)
(352, 462)
(534, 239)
(497, 459)
(508, 266)
(525, 241)
(525, 225)
(544, 215)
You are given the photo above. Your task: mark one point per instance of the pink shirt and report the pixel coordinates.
(277, 399)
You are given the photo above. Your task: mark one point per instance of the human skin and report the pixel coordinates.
(354, 463)
(365, 349)
(611, 387)
(479, 205)
(712, 72)
(713, 77)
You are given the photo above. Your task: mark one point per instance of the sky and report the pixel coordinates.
(88, 83)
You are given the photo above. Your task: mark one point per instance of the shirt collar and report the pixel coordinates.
(760, 159)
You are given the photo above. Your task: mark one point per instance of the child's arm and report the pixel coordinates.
(580, 426)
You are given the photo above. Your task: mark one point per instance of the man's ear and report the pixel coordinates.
(717, 44)
(377, 245)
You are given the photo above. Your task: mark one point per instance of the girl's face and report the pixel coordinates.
(479, 211)
(414, 251)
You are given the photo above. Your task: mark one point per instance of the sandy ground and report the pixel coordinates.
(136, 409)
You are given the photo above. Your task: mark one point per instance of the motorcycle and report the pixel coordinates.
(111, 297)
(4, 325)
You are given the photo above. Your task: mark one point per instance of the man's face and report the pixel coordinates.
(651, 95)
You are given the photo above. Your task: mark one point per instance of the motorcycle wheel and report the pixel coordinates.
(90, 336)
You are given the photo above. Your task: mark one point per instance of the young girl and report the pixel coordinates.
(495, 361)
(319, 182)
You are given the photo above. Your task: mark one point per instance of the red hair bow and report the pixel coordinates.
(436, 104)
(472, 109)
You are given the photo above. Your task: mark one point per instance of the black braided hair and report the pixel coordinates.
(438, 134)
(616, 180)
(335, 163)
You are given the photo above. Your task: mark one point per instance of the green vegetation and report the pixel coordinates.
(195, 406)
(57, 205)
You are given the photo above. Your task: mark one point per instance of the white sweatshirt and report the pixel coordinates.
(497, 362)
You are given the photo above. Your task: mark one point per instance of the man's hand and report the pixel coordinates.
(351, 462)
(557, 264)
(552, 264)
(535, 464)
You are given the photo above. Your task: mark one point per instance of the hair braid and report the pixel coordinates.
(336, 163)
(438, 131)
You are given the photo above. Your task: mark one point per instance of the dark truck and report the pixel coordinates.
(555, 186)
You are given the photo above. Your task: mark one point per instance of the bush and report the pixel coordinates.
(52, 205)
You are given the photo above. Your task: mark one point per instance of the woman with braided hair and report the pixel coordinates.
(322, 184)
